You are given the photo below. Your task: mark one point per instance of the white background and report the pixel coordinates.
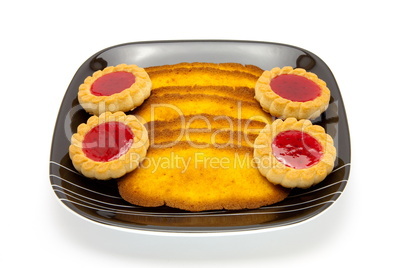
(45, 42)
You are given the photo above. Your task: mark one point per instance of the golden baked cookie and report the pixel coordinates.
(287, 92)
(115, 88)
(202, 120)
(294, 153)
(108, 146)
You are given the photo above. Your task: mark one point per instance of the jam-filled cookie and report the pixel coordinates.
(109, 146)
(287, 92)
(115, 88)
(294, 153)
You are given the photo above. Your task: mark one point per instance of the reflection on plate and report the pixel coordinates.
(99, 201)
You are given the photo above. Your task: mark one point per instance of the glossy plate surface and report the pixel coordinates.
(99, 201)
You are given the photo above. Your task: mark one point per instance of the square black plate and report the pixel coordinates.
(99, 201)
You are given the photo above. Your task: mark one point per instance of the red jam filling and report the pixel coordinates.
(112, 83)
(107, 141)
(296, 149)
(295, 87)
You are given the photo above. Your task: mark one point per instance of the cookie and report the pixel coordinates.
(115, 88)
(294, 153)
(108, 146)
(287, 92)
(203, 120)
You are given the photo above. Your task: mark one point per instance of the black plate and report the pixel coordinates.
(100, 202)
